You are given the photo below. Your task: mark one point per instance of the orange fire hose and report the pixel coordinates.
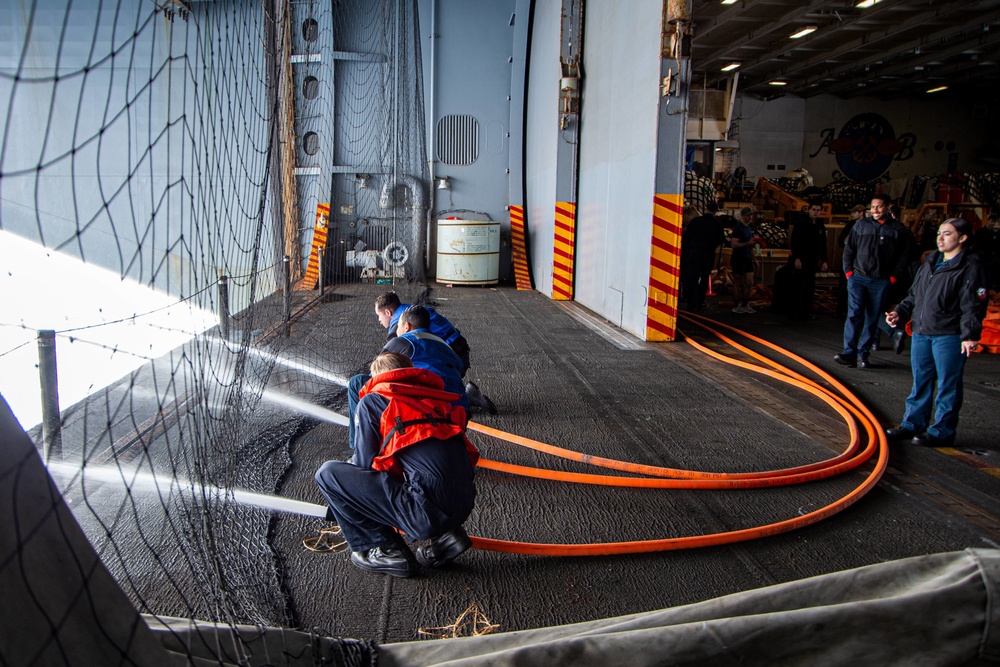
(855, 414)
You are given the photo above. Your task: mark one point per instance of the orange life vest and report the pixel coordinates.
(419, 409)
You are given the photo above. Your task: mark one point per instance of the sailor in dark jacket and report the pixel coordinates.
(876, 254)
(413, 471)
(699, 241)
(946, 306)
(806, 253)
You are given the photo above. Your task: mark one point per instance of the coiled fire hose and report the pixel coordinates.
(861, 423)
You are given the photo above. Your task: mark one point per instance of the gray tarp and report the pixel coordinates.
(937, 610)
(941, 609)
(58, 603)
(59, 606)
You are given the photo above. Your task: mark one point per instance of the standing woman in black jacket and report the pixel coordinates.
(946, 304)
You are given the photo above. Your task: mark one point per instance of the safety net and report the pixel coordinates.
(180, 184)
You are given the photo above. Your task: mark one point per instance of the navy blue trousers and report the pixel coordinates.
(367, 505)
(865, 300)
(936, 360)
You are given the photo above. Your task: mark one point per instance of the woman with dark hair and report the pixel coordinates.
(946, 305)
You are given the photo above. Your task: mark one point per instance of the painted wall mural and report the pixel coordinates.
(866, 146)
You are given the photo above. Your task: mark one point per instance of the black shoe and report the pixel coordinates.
(899, 341)
(474, 394)
(863, 362)
(488, 405)
(478, 399)
(845, 360)
(928, 440)
(444, 548)
(383, 560)
(899, 433)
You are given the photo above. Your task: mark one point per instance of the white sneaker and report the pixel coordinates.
(748, 309)
(739, 309)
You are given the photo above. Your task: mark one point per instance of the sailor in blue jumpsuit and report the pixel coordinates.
(389, 309)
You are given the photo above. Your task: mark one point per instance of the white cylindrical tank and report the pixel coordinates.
(468, 252)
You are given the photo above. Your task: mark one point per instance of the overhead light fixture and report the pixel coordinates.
(777, 83)
(802, 33)
(730, 67)
(729, 2)
(938, 89)
(865, 4)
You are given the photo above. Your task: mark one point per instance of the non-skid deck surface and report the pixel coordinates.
(556, 379)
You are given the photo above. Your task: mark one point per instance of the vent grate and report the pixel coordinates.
(458, 140)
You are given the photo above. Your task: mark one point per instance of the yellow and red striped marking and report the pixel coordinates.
(971, 460)
(564, 251)
(664, 267)
(319, 241)
(519, 253)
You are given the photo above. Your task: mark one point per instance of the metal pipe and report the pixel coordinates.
(319, 262)
(49, 379)
(286, 266)
(395, 104)
(678, 10)
(418, 233)
(395, 94)
(387, 198)
(431, 134)
(224, 306)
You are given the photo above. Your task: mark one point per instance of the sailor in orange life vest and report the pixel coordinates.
(412, 470)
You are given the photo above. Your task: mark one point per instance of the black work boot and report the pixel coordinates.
(845, 360)
(444, 548)
(478, 399)
(383, 560)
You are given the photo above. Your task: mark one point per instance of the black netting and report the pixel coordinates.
(181, 150)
